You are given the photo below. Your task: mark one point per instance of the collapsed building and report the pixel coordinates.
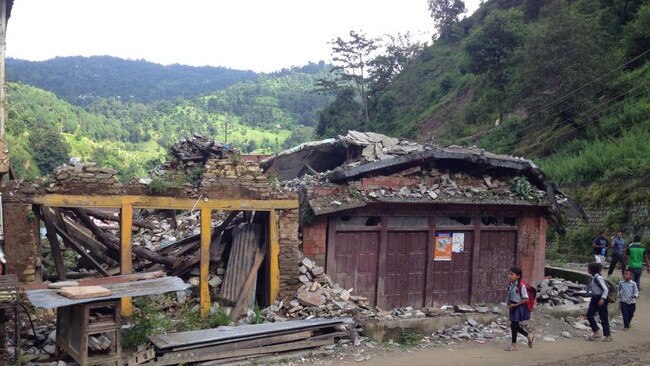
(402, 224)
(405, 224)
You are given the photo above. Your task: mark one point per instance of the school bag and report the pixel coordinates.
(612, 295)
(532, 294)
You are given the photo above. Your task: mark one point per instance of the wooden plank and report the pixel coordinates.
(84, 292)
(476, 252)
(251, 351)
(133, 277)
(181, 339)
(108, 217)
(48, 219)
(158, 202)
(274, 257)
(429, 274)
(181, 356)
(244, 295)
(71, 243)
(141, 357)
(126, 253)
(96, 248)
(206, 227)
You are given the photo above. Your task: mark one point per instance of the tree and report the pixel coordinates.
(445, 14)
(564, 66)
(491, 48)
(49, 146)
(351, 59)
(341, 115)
(397, 53)
(637, 35)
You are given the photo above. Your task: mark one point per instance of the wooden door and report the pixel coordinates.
(355, 262)
(404, 275)
(496, 256)
(449, 281)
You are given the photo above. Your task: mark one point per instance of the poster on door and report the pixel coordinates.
(458, 242)
(442, 247)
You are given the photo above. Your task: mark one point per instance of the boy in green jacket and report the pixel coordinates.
(637, 256)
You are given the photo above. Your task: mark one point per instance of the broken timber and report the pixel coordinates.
(206, 205)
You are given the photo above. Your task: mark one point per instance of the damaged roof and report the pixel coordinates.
(359, 155)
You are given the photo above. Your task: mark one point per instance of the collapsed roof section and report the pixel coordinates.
(427, 174)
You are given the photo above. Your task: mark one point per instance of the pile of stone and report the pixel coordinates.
(318, 296)
(558, 291)
(198, 149)
(167, 231)
(472, 329)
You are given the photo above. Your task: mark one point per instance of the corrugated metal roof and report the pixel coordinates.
(51, 299)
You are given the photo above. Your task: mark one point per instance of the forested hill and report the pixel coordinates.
(566, 83)
(82, 80)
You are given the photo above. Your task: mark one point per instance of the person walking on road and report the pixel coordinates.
(518, 308)
(636, 257)
(598, 291)
(600, 247)
(628, 292)
(618, 253)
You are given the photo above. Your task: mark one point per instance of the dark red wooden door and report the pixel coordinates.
(404, 275)
(448, 281)
(496, 256)
(355, 262)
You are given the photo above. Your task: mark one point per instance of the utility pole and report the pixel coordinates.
(225, 128)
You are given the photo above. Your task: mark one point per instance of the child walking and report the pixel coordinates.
(628, 292)
(598, 291)
(518, 308)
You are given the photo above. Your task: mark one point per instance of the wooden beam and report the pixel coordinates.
(108, 217)
(274, 257)
(163, 203)
(48, 219)
(70, 242)
(206, 237)
(126, 259)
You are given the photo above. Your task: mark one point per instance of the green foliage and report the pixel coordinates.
(49, 147)
(307, 215)
(158, 186)
(258, 316)
(615, 218)
(409, 337)
(637, 35)
(521, 187)
(147, 321)
(445, 14)
(344, 114)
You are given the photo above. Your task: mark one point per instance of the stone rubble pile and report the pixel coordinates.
(557, 292)
(318, 296)
(474, 330)
(165, 234)
(85, 175)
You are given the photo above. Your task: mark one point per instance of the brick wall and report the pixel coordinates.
(314, 240)
(532, 248)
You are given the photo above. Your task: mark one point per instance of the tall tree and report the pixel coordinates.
(49, 146)
(341, 115)
(351, 58)
(491, 49)
(396, 53)
(445, 14)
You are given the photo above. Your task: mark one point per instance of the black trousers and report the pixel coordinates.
(602, 314)
(515, 328)
(636, 276)
(627, 310)
(616, 258)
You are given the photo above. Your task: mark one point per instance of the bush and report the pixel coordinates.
(147, 321)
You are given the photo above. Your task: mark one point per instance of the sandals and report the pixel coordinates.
(510, 349)
(531, 340)
(593, 337)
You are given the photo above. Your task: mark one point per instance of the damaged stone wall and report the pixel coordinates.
(289, 252)
(232, 178)
(21, 227)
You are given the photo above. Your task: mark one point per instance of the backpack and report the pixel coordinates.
(612, 295)
(532, 294)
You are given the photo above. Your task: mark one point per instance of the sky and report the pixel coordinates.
(260, 35)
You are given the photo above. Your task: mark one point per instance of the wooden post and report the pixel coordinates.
(48, 219)
(126, 265)
(476, 252)
(206, 236)
(274, 257)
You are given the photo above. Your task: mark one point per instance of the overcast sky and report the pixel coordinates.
(261, 35)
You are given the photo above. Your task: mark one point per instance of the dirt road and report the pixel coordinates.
(628, 348)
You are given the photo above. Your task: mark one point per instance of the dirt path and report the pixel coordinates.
(628, 348)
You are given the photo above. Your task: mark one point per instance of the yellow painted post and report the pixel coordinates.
(274, 257)
(206, 234)
(126, 265)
